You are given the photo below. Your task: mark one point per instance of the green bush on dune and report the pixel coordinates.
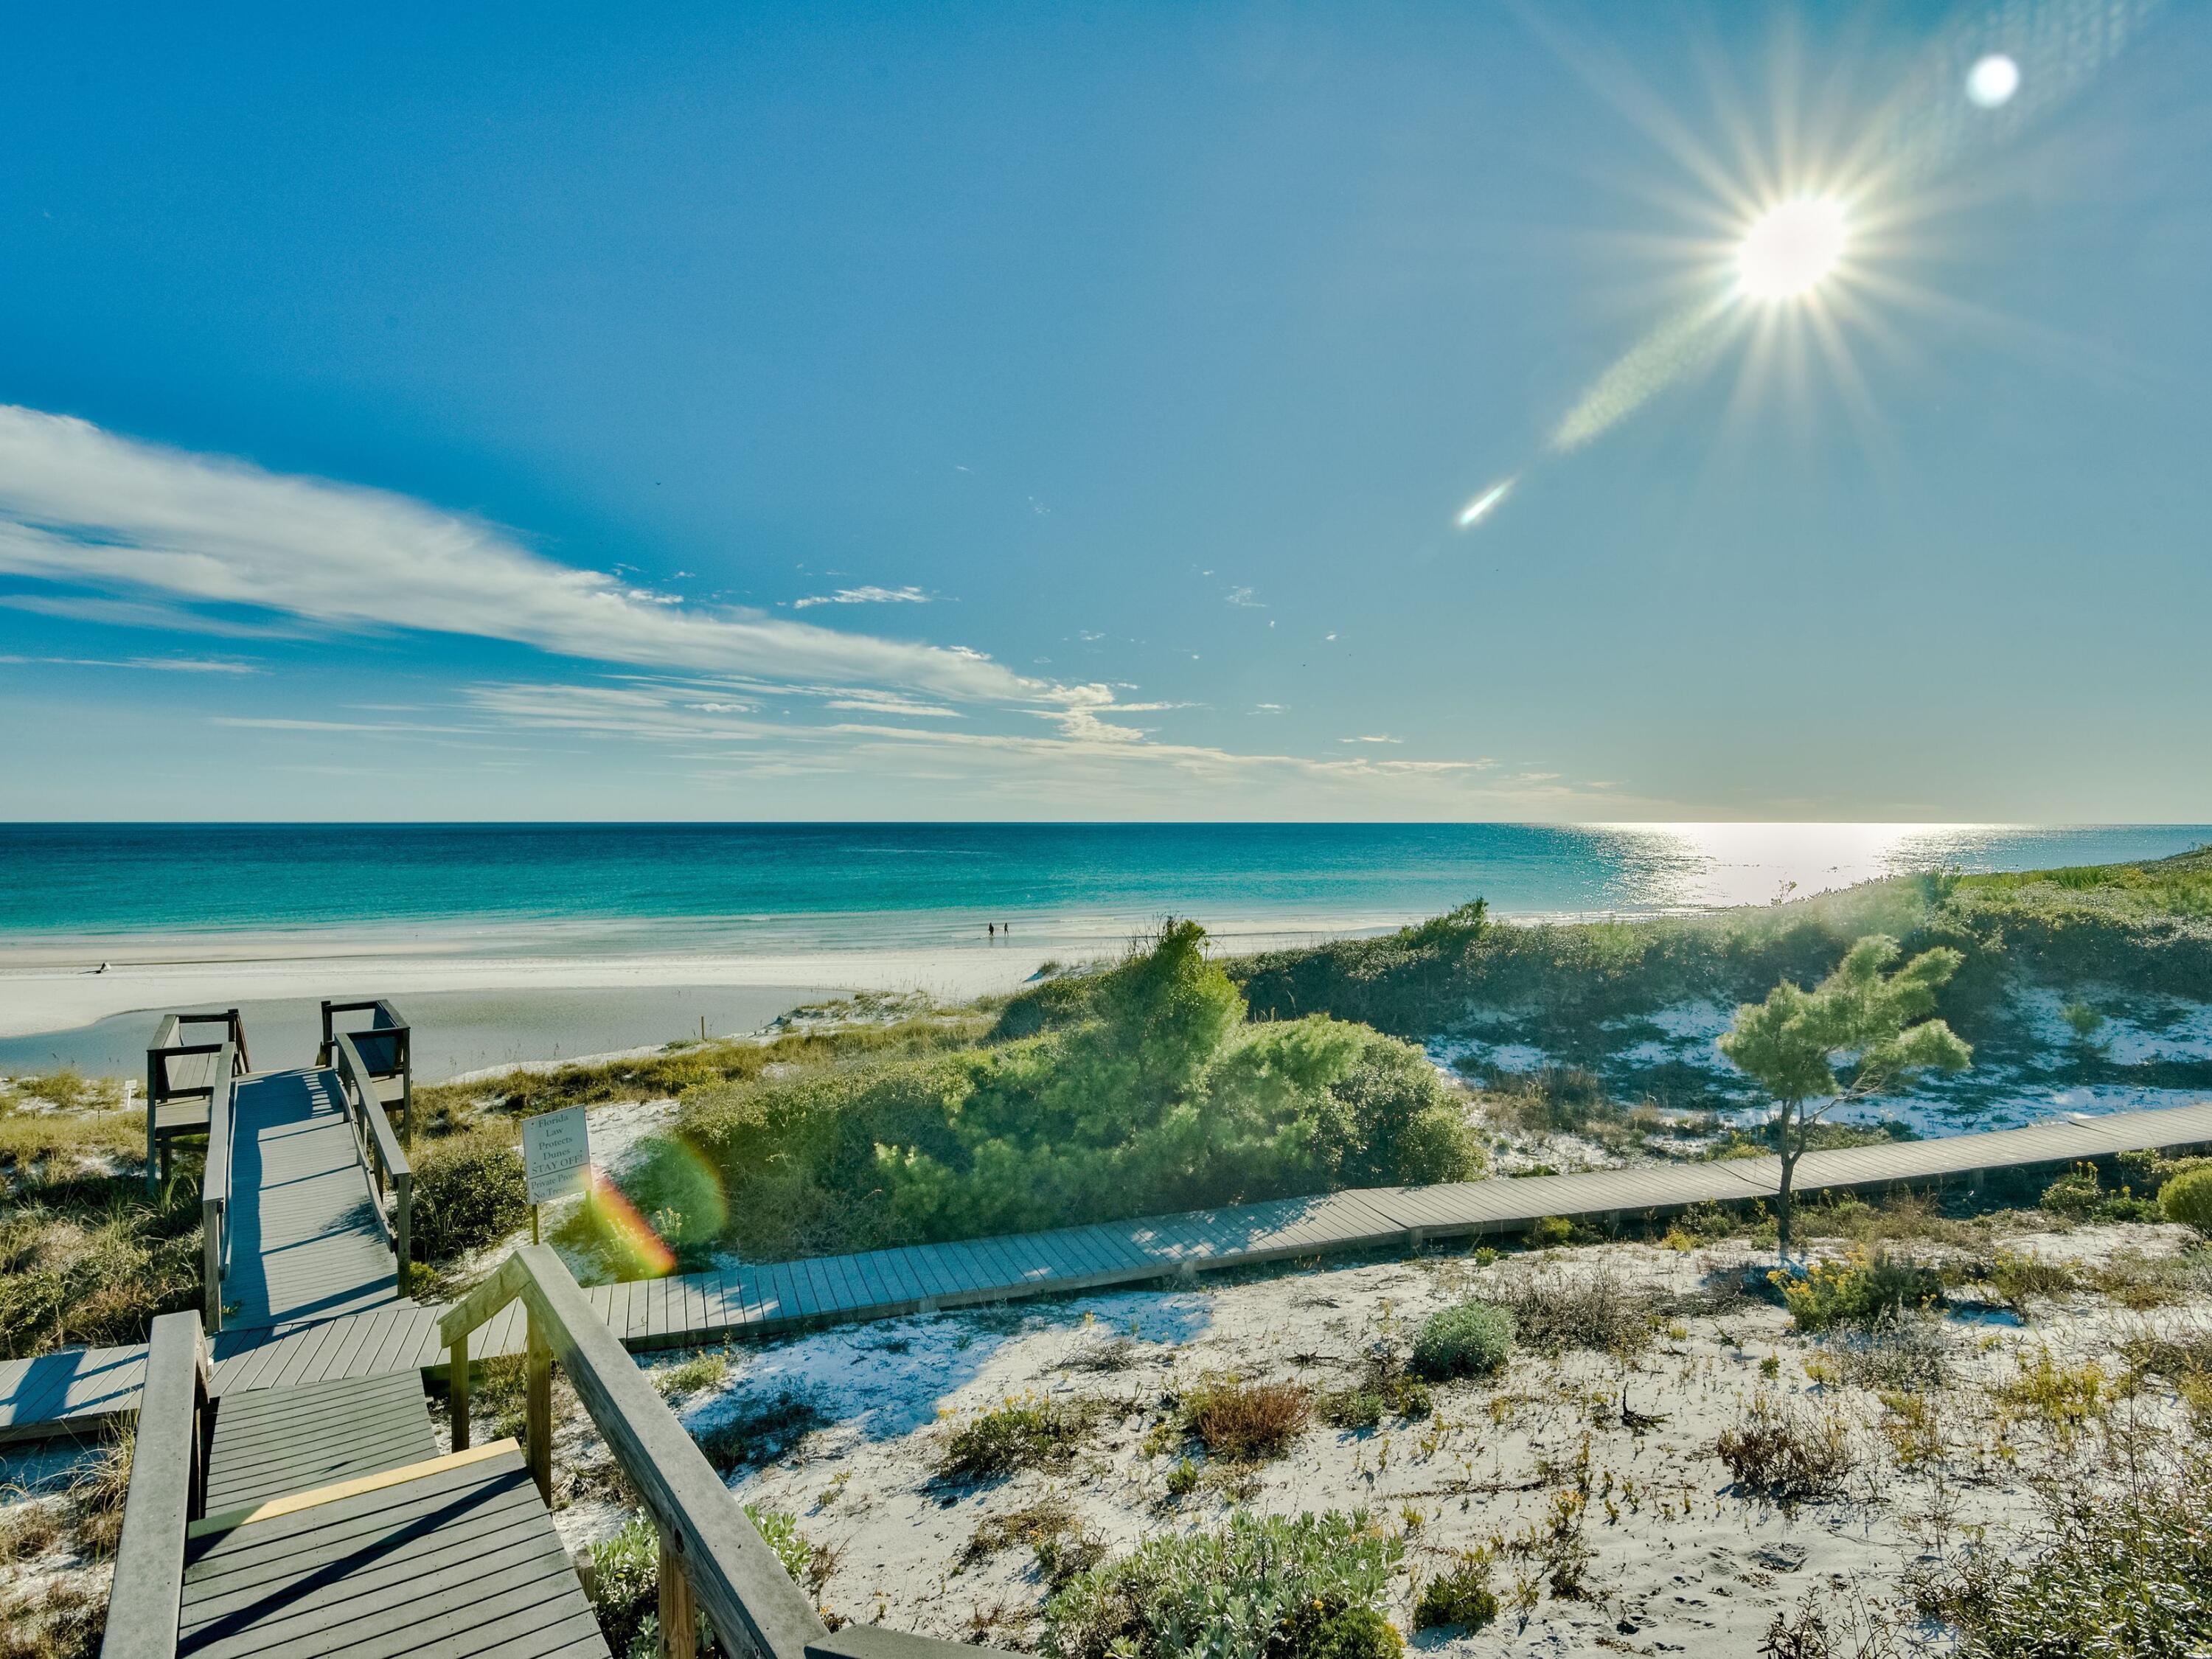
(1312, 1588)
(1140, 1090)
(1472, 1339)
(468, 1193)
(2141, 926)
(2187, 1199)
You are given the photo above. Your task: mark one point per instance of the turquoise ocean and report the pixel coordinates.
(630, 886)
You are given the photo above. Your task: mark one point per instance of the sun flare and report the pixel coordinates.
(1791, 248)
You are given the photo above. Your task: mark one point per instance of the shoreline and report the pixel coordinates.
(49, 987)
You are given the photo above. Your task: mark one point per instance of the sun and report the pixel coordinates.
(1792, 248)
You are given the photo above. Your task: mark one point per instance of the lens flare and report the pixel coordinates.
(638, 1247)
(1479, 508)
(1791, 249)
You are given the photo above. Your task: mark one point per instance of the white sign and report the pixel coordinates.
(556, 1149)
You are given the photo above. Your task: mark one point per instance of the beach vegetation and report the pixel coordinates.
(86, 1258)
(1861, 1287)
(2020, 1278)
(2186, 1200)
(1788, 1450)
(1157, 1094)
(1473, 1339)
(761, 1429)
(625, 1577)
(66, 1090)
(1050, 1530)
(1460, 1597)
(2139, 926)
(2126, 1572)
(2064, 1395)
(1594, 1310)
(1386, 1386)
(2141, 1282)
(470, 1192)
(1899, 1352)
(1263, 1587)
(1861, 1031)
(1027, 1431)
(1244, 1422)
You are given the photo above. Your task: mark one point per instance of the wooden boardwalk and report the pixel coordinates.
(305, 1237)
(772, 1298)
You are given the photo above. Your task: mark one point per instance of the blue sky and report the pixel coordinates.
(1064, 412)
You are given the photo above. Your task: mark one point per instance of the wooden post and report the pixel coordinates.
(457, 1389)
(154, 1171)
(540, 1396)
(211, 1264)
(679, 1619)
(401, 1242)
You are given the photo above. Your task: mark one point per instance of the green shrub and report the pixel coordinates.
(1472, 1339)
(1461, 1597)
(2127, 1574)
(1145, 1090)
(1262, 1587)
(1025, 1432)
(1547, 1231)
(2187, 1201)
(470, 1192)
(1859, 1289)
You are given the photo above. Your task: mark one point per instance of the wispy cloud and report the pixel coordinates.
(81, 505)
(140, 613)
(866, 596)
(135, 534)
(1242, 596)
(1376, 738)
(888, 705)
(158, 664)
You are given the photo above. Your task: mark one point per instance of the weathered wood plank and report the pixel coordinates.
(149, 1557)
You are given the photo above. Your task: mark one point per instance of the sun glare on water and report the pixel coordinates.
(1791, 249)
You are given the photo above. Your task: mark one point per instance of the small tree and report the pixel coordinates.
(1860, 1031)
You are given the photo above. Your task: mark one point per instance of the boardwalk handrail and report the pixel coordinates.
(169, 1490)
(709, 1550)
(379, 1151)
(387, 1042)
(215, 1188)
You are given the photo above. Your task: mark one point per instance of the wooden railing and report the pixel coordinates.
(711, 1558)
(378, 1151)
(215, 1188)
(387, 1044)
(163, 1086)
(169, 1491)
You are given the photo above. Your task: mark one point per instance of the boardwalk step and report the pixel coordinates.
(275, 1440)
(459, 1558)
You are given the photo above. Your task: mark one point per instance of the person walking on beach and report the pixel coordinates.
(991, 930)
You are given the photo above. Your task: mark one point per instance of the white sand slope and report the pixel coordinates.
(1678, 1560)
